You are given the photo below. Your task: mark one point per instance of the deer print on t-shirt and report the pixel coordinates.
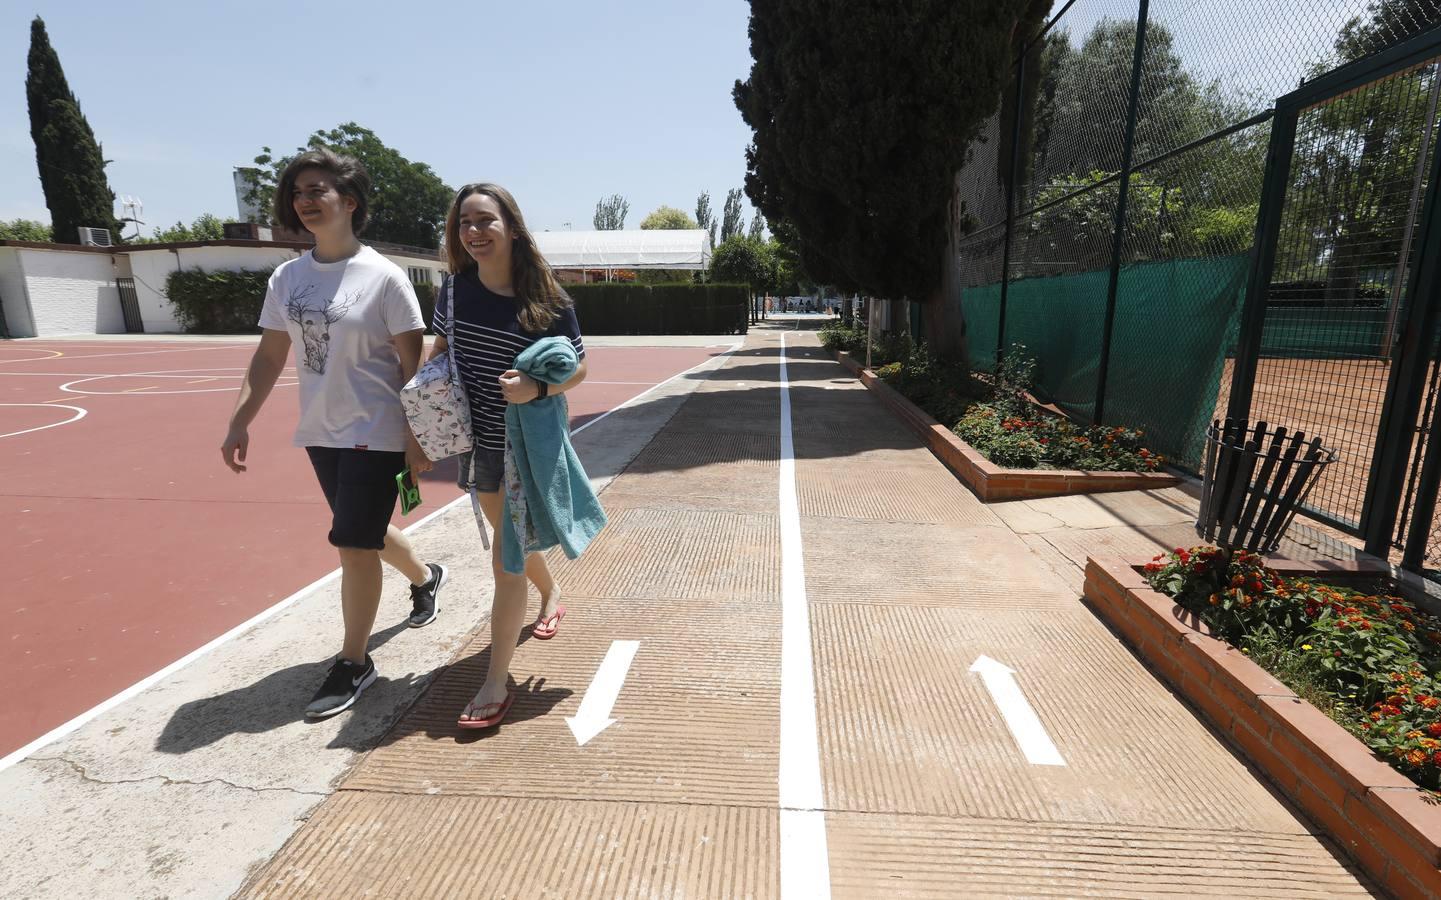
(315, 320)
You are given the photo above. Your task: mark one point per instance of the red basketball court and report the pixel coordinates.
(128, 542)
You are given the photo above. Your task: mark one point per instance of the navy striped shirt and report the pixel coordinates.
(488, 338)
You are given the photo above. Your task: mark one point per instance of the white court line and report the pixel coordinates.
(79, 414)
(132, 353)
(61, 731)
(805, 858)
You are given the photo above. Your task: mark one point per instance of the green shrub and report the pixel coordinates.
(619, 308)
(222, 302)
(425, 294)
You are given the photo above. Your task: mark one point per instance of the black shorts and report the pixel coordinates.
(360, 487)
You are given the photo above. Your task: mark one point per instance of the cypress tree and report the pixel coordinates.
(72, 169)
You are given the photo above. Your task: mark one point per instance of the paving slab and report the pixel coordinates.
(929, 857)
(861, 561)
(489, 847)
(907, 728)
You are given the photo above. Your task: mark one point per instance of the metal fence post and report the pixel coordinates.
(1118, 241)
(1411, 362)
(1011, 204)
(1263, 260)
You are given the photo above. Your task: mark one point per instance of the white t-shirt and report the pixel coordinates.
(341, 317)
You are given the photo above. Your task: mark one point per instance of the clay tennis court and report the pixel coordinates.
(129, 543)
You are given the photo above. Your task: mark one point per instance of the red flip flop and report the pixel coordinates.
(546, 627)
(489, 721)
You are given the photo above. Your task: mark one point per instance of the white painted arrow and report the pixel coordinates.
(593, 717)
(1025, 726)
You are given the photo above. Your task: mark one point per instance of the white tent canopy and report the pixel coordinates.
(647, 249)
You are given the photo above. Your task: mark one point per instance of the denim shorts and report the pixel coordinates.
(484, 469)
(360, 487)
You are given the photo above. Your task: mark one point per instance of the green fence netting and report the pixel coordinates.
(1174, 324)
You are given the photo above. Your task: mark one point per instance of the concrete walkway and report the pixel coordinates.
(806, 609)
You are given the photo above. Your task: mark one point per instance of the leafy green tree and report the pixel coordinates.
(732, 223)
(668, 218)
(860, 122)
(757, 229)
(72, 167)
(206, 227)
(742, 260)
(25, 230)
(610, 213)
(408, 201)
(705, 216)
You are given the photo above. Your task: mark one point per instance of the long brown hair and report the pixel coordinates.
(540, 296)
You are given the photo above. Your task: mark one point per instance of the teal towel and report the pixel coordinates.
(548, 498)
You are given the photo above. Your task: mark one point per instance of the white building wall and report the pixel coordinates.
(58, 292)
(13, 294)
(71, 292)
(150, 268)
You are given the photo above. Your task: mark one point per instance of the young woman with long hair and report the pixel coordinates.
(505, 299)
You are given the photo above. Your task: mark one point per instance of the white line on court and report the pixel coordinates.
(805, 858)
(62, 730)
(79, 414)
(131, 353)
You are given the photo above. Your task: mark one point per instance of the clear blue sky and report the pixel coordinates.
(562, 102)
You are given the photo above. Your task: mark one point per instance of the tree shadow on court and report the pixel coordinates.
(279, 699)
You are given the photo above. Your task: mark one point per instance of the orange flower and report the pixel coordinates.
(1416, 758)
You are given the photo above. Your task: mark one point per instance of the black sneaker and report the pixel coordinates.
(344, 683)
(422, 597)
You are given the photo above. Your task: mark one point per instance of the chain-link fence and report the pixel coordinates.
(1139, 169)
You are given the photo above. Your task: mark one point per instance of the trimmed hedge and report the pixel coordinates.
(425, 293)
(223, 302)
(616, 308)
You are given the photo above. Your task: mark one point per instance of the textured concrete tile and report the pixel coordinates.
(905, 727)
(924, 857)
(485, 847)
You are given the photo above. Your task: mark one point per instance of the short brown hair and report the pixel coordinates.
(351, 180)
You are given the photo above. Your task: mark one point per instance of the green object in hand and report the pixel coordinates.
(409, 491)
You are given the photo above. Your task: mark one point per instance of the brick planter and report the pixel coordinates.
(989, 481)
(1378, 816)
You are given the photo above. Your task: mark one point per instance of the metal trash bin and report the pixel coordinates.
(1255, 479)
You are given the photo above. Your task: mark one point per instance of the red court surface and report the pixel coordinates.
(128, 543)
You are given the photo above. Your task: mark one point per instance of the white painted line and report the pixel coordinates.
(593, 717)
(733, 348)
(805, 858)
(61, 731)
(79, 414)
(136, 353)
(1020, 718)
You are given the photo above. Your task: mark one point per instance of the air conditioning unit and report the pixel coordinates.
(95, 237)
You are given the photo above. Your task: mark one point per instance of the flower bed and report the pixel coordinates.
(1365, 658)
(1341, 722)
(989, 481)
